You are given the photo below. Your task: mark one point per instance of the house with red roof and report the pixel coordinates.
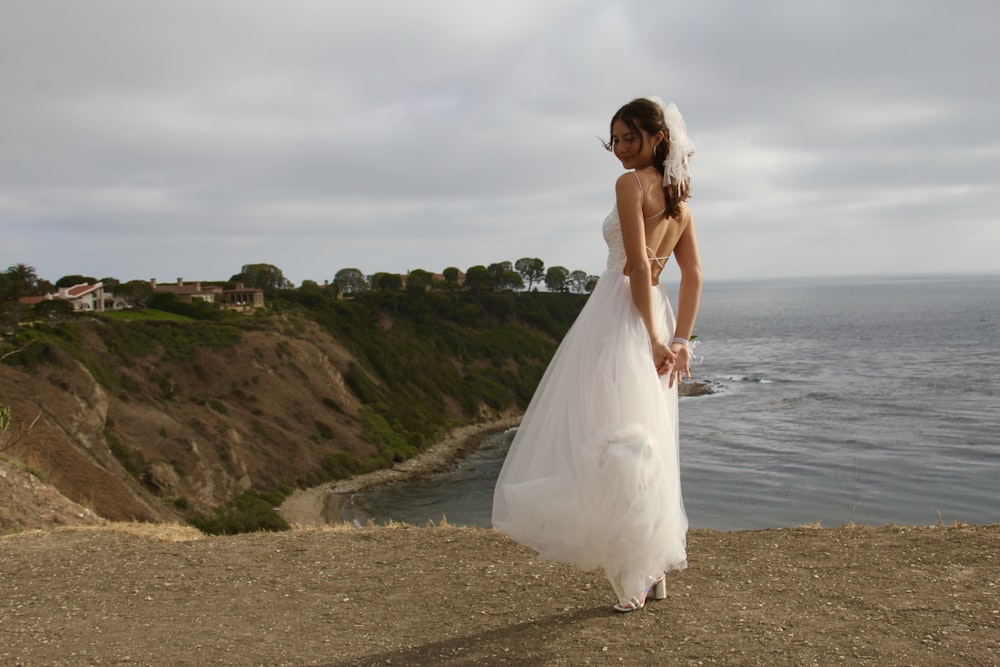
(84, 297)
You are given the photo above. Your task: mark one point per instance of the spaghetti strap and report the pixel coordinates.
(659, 260)
(638, 180)
(642, 196)
(662, 261)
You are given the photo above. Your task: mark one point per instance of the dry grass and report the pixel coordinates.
(158, 532)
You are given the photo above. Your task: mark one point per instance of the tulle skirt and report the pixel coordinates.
(592, 477)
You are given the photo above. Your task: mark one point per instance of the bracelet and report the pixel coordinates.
(683, 341)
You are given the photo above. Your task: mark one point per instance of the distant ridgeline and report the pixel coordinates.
(214, 417)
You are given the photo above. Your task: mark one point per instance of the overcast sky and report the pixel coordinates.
(173, 138)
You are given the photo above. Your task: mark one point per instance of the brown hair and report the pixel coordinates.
(646, 115)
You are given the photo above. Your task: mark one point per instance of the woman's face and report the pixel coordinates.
(633, 147)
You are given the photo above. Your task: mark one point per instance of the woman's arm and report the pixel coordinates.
(629, 200)
(689, 295)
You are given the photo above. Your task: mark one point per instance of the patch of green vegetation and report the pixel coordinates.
(167, 385)
(392, 441)
(362, 386)
(341, 466)
(211, 403)
(148, 314)
(130, 460)
(250, 511)
(418, 352)
(324, 430)
(259, 429)
(333, 405)
(131, 340)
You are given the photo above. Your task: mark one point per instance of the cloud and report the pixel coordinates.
(188, 138)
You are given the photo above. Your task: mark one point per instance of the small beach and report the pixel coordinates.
(323, 505)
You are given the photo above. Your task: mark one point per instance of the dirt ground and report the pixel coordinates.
(143, 594)
(155, 594)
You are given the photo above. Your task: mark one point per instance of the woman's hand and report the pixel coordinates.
(682, 363)
(663, 357)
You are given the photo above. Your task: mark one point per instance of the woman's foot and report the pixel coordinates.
(635, 604)
(658, 591)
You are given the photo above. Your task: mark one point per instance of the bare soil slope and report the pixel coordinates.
(200, 431)
(154, 595)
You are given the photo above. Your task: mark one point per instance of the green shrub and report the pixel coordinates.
(333, 405)
(258, 428)
(324, 430)
(249, 512)
(360, 384)
(341, 465)
(130, 460)
(376, 429)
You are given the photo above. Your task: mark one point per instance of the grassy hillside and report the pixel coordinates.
(427, 360)
(213, 417)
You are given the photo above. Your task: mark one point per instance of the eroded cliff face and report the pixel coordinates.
(185, 436)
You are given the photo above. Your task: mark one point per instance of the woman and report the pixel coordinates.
(592, 477)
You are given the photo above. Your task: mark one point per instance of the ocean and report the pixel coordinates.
(872, 400)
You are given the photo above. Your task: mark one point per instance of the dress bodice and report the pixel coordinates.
(612, 230)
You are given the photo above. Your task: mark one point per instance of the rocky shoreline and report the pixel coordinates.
(323, 505)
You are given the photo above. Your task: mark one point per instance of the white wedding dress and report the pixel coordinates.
(592, 477)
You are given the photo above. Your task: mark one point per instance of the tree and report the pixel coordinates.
(578, 281)
(12, 314)
(555, 279)
(350, 281)
(70, 281)
(532, 270)
(136, 292)
(511, 280)
(17, 281)
(419, 280)
(53, 309)
(505, 278)
(591, 284)
(497, 270)
(313, 295)
(478, 279)
(262, 276)
(386, 282)
(450, 282)
(110, 284)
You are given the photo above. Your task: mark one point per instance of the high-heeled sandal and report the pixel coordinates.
(658, 591)
(635, 604)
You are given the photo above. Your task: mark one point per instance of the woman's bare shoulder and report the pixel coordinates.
(627, 182)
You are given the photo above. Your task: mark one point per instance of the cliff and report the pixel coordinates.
(170, 419)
